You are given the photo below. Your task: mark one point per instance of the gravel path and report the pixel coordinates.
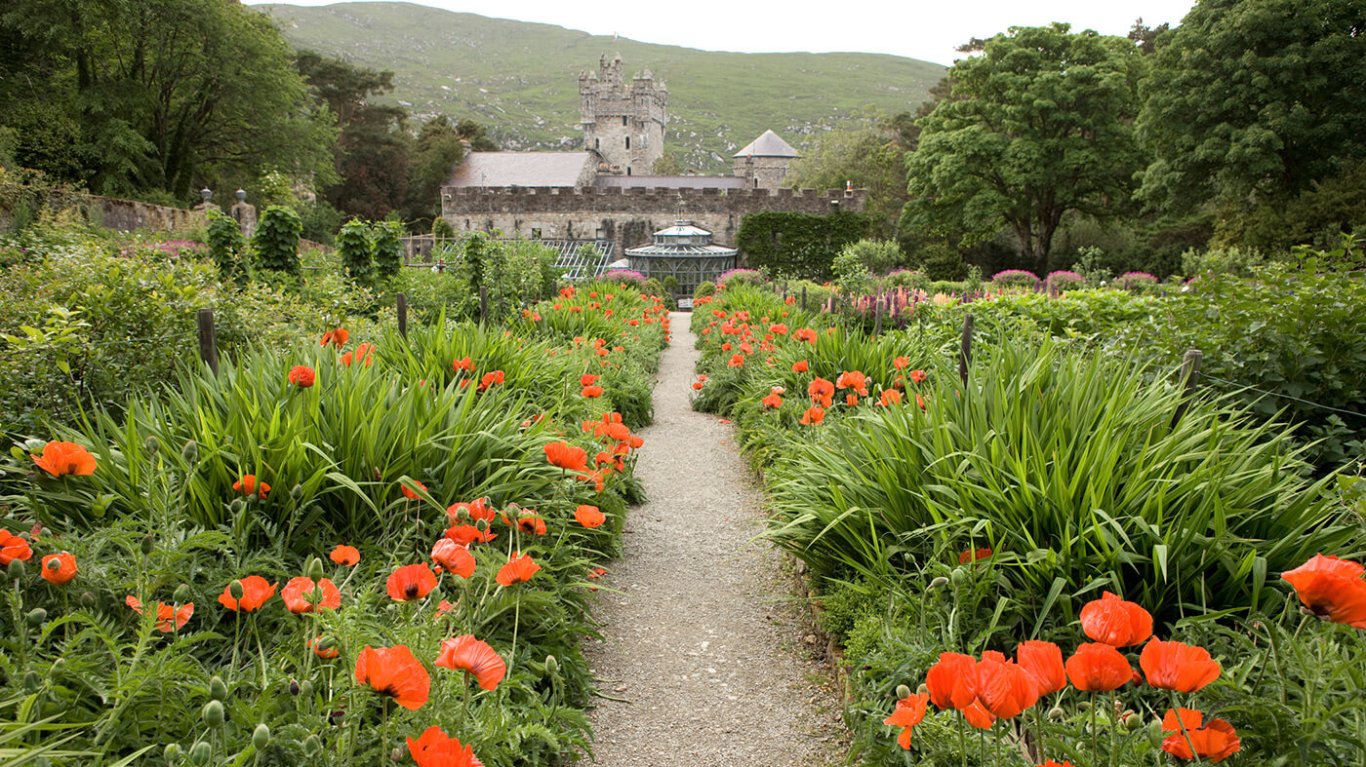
(703, 639)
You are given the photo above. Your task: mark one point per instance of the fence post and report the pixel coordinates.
(1190, 378)
(208, 340)
(402, 300)
(483, 303)
(965, 350)
(803, 298)
(877, 317)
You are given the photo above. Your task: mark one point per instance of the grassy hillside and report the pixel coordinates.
(522, 79)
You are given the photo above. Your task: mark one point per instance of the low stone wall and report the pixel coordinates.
(127, 215)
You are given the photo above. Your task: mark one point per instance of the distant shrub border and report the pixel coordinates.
(1016, 277)
(797, 245)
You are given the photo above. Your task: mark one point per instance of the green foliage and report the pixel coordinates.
(357, 251)
(870, 154)
(705, 288)
(388, 246)
(879, 256)
(442, 229)
(797, 245)
(227, 247)
(1038, 125)
(851, 272)
(276, 241)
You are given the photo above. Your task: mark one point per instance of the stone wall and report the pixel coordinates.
(127, 215)
(627, 216)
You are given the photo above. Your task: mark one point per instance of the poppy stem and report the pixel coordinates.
(516, 622)
(1181, 723)
(1114, 725)
(1091, 723)
(962, 742)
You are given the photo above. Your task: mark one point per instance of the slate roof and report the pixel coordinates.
(768, 145)
(671, 182)
(563, 169)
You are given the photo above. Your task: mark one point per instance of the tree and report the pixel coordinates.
(1251, 102)
(871, 155)
(1038, 125)
(437, 151)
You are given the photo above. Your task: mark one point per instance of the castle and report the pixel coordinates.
(607, 192)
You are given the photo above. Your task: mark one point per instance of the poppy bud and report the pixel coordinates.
(312, 746)
(957, 577)
(152, 443)
(214, 714)
(551, 665)
(938, 583)
(1084, 705)
(296, 493)
(260, 737)
(201, 753)
(335, 716)
(235, 589)
(923, 689)
(183, 594)
(1155, 733)
(293, 687)
(1128, 721)
(314, 569)
(16, 569)
(87, 599)
(172, 753)
(326, 643)
(149, 544)
(1056, 714)
(37, 617)
(217, 689)
(32, 681)
(306, 690)
(397, 754)
(190, 452)
(237, 505)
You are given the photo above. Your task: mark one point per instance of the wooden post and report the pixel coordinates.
(1190, 378)
(965, 350)
(402, 301)
(877, 317)
(483, 303)
(803, 298)
(208, 340)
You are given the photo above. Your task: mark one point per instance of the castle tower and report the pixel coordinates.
(765, 162)
(623, 122)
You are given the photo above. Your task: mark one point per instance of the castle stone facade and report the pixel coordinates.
(606, 192)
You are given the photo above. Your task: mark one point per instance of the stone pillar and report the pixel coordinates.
(201, 211)
(245, 214)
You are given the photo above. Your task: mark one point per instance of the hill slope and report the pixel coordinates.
(521, 79)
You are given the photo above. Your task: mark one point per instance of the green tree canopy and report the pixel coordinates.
(1254, 99)
(1039, 123)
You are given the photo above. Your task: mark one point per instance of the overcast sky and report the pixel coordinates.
(921, 30)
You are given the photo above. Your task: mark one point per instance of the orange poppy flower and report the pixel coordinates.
(491, 379)
(697, 385)
(1331, 588)
(900, 363)
(592, 392)
(302, 376)
(169, 617)
(1116, 622)
(851, 400)
(889, 397)
(249, 486)
(566, 456)
(410, 582)
(476, 510)
(772, 401)
(974, 555)
(59, 569)
(13, 547)
(801, 366)
(326, 653)
(467, 534)
(1177, 666)
(952, 681)
(853, 379)
(62, 458)
(337, 337)
(977, 716)
(1004, 688)
(300, 594)
(518, 569)
(821, 391)
(1098, 667)
(1051, 763)
(1216, 742)
(456, 559)
(737, 361)
(806, 334)
(812, 416)
(910, 711)
(411, 494)
(587, 379)
(436, 749)
(920, 401)
(465, 653)
(393, 671)
(589, 516)
(466, 364)
(1043, 662)
(346, 556)
(917, 376)
(256, 591)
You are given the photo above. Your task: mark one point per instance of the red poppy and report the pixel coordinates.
(169, 617)
(821, 391)
(466, 364)
(977, 716)
(697, 385)
(806, 334)
(917, 376)
(302, 376)
(1177, 666)
(952, 681)
(773, 401)
(592, 392)
(1116, 622)
(364, 354)
(1216, 742)
(812, 416)
(326, 653)
(801, 366)
(410, 493)
(59, 569)
(853, 379)
(900, 363)
(518, 569)
(889, 397)
(1098, 667)
(737, 361)
(13, 547)
(910, 711)
(1043, 662)
(490, 379)
(436, 749)
(587, 379)
(972, 555)
(1051, 763)
(467, 534)
(303, 595)
(410, 582)
(465, 653)
(393, 671)
(346, 556)
(256, 591)
(453, 557)
(566, 456)
(1331, 588)
(589, 516)
(476, 510)
(62, 458)
(249, 486)
(1004, 688)
(337, 337)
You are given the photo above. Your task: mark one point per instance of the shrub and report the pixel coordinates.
(227, 247)
(356, 250)
(851, 274)
(1016, 278)
(1130, 280)
(1064, 280)
(277, 240)
(388, 246)
(740, 277)
(705, 288)
(797, 245)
